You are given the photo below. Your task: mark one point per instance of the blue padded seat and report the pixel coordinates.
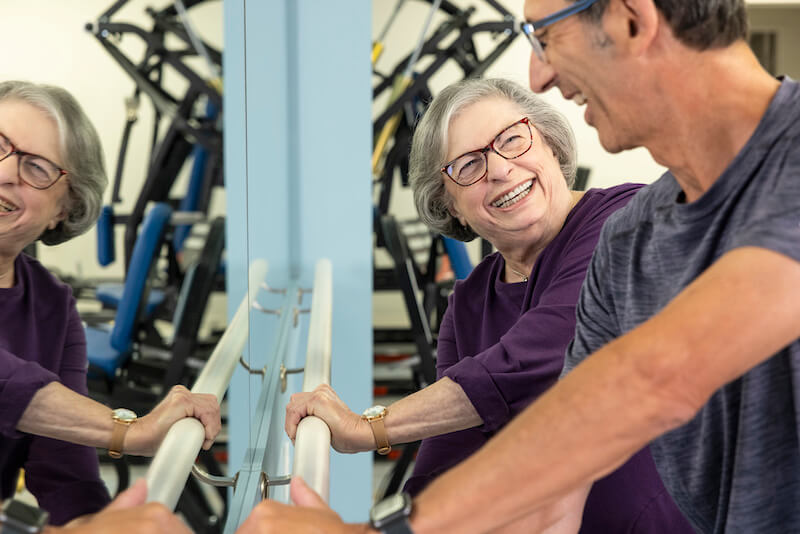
(101, 354)
(109, 349)
(111, 295)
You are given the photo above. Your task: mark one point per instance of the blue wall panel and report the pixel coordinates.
(298, 185)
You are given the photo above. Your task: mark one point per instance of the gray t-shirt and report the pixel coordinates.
(735, 467)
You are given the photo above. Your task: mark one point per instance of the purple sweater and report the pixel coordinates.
(41, 341)
(504, 344)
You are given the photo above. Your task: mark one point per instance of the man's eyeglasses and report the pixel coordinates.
(36, 171)
(528, 28)
(472, 167)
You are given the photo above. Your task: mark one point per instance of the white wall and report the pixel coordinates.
(45, 41)
(785, 21)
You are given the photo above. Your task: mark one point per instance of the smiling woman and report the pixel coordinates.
(71, 145)
(52, 179)
(491, 159)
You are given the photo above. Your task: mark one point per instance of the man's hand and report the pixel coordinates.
(309, 515)
(349, 432)
(146, 434)
(127, 514)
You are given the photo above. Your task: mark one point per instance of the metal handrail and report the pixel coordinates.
(313, 441)
(173, 462)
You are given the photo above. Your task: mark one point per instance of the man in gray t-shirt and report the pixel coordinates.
(688, 326)
(735, 466)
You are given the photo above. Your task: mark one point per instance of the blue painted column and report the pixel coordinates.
(298, 185)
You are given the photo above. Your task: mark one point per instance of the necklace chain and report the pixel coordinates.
(524, 277)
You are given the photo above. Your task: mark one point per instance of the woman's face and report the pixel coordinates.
(26, 212)
(520, 201)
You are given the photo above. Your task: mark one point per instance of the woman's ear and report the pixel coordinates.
(454, 212)
(58, 218)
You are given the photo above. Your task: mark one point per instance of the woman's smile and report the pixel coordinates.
(514, 196)
(6, 206)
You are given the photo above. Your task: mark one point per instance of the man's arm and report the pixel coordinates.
(737, 314)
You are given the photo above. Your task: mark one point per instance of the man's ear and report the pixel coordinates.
(632, 24)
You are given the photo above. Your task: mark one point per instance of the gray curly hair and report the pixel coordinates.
(429, 145)
(81, 151)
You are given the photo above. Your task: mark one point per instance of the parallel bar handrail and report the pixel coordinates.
(267, 424)
(173, 462)
(313, 440)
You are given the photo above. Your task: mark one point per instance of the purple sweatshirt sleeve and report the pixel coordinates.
(19, 382)
(64, 477)
(504, 379)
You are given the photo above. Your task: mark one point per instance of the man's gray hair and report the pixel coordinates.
(429, 145)
(699, 24)
(81, 151)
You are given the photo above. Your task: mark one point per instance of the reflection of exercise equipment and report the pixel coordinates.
(129, 362)
(193, 116)
(130, 357)
(132, 364)
(393, 130)
(412, 273)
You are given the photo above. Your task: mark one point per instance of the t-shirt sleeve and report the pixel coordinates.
(19, 382)
(64, 477)
(502, 380)
(773, 220)
(595, 320)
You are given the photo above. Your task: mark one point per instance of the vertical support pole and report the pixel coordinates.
(298, 184)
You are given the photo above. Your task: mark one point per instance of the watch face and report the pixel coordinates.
(374, 411)
(123, 414)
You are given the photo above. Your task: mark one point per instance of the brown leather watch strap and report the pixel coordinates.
(118, 437)
(121, 427)
(381, 438)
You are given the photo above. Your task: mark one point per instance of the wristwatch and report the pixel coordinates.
(374, 416)
(123, 419)
(16, 517)
(390, 516)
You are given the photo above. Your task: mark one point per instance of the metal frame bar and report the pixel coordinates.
(173, 462)
(247, 493)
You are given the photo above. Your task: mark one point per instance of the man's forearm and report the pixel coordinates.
(623, 396)
(56, 411)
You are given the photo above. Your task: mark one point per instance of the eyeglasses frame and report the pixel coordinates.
(20, 154)
(528, 28)
(485, 150)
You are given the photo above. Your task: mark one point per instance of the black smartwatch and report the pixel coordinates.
(390, 516)
(19, 518)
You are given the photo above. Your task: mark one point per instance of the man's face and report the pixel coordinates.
(584, 63)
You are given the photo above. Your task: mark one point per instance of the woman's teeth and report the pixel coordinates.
(514, 196)
(6, 206)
